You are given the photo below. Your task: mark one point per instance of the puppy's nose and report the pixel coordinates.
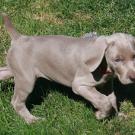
(131, 76)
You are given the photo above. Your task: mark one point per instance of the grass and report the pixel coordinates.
(64, 112)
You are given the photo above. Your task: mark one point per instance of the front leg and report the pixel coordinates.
(98, 100)
(113, 101)
(103, 80)
(112, 96)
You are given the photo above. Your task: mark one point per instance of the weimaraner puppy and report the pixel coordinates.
(70, 61)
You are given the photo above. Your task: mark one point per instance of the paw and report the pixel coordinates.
(32, 119)
(122, 115)
(101, 115)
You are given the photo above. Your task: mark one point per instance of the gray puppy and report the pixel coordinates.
(71, 62)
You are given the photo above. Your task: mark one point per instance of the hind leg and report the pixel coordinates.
(23, 87)
(5, 73)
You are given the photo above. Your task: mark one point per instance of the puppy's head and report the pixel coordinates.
(120, 56)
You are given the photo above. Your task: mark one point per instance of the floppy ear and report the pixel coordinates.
(110, 41)
(96, 53)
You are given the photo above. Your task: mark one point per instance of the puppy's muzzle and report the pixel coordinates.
(131, 76)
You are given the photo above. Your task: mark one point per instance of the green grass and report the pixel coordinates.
(64, 113)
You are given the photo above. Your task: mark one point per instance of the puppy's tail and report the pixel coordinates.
(10, 28)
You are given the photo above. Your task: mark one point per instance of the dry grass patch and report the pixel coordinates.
(82, 16)
(40, 4)
(49, 17)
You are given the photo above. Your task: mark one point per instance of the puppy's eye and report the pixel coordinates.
(118, 60)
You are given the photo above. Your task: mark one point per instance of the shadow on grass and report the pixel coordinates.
(43, 87)
(124, 92)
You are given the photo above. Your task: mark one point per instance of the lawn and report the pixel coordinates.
(64, 112)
